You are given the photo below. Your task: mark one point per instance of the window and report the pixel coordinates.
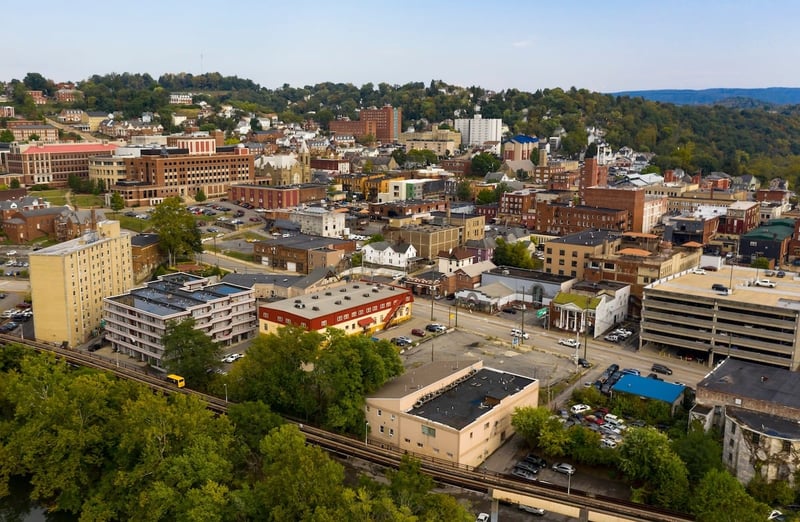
(561, 252)
(756, 438)
(407, 440)
(392, 416)
(486, 426)
(381, 429)
(787, 445)
(428, 431)
(730, 442)
(380, 412)
(733, 428)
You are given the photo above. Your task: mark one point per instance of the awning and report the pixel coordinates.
(366, 321)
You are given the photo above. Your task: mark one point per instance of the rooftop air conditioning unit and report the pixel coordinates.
(337, 302)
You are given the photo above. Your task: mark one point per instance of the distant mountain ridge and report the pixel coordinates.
(770, 95)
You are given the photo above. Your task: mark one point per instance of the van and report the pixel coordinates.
(611, 418)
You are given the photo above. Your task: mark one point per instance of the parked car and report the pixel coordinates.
(532, 510)
(608, 443)
(631, 371)
(509, 310)
(523, 473)
(780, 273)
(418, 332)
(583, 363)
(527, 466)
(563, 467)
(401, 341)
(255, 219)
(572, 343)
(537, 461)
(232, 358)
(579, 408)
(699, 271)
(483, 517)
(612, 338)
(436, 328)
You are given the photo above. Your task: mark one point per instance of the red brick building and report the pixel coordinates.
(516, 207)
(395, 209)
(336, 165)
(384, 123)
(458, 166)
(560, 219)
(302, 253)
(269, 197)
(53, 164)
(592, 175)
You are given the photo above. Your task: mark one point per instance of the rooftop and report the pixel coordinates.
(590, 237)
(771, 425)
(62, 148)
(532, 275)
(786, 293)
(74, 245)
(305, 242)
(345, 297)
(649, 388)
(750, 380)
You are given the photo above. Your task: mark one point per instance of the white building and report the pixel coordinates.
(317, 221)
(404, 190)
(477, 131)
(384, 254)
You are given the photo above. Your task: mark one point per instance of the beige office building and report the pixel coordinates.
(69, 281)
(455, 411)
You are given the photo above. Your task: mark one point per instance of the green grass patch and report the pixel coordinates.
(87, 200)
(239, 255)
(56, 197)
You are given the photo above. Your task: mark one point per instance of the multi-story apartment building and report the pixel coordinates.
(269, 197)
(722, 314)
(478, 131)
(302, 253)
(680, 230)
(690, 200)
(565, 218)
(569, 255)
(70, 280)
(517, 207)
(53, 164)
(741, 217)
(136, 321)
(38, 132)
(474, 225)
(384, 124)
(161, 173)
(758, 416)
(341, 166)
(317, 221)
(180, 98)
(644, 210)
(356, 308)
(457, 412)
(403, 189)
(443, 142)
(108, 169)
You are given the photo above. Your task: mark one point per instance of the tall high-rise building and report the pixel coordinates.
(69, 281)
(477, 131)
(386, 124)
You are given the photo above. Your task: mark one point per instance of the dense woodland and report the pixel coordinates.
(763, 140)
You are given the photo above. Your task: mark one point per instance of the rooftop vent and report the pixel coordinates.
(314, 297)
(315, 308)
(328, 293)
(337, 302)
(356, 286)
(347, 298)
(343, 290)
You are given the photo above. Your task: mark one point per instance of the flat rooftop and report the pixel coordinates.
(771, 425)
(786, 293)
(164, 298)
(74, 245)
(750, 380)
(591, 237)
(340, 298)
(306, 242)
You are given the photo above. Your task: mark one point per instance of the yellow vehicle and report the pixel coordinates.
(177, 380)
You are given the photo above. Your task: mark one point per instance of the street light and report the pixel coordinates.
(366, 432)
(225, 384)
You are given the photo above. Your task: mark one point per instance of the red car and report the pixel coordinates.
(418, 332)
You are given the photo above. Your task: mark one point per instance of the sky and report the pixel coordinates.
(603, 46)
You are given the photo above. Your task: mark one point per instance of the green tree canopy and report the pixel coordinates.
(117, 202)
(464, 190)
(512, 254)
(6, 136)
(177, 234)
(14, 183)
(719, 497)
(200, 195)
(646, 458)
(484, 163)
(190, 353)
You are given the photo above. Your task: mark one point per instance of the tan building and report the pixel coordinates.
(455, 411)
(285, 169)
(429, 240)
(569, 255)
(108, 169)
(53, 164)
(70, 280)
(302, 253)
(443, 142)
(39, 133)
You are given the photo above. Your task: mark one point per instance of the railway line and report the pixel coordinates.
(580, 504)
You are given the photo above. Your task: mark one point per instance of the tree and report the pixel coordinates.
(484, 163)
(200, 195)
(6, 136)
(541, 430)
(512, 254)
(399, 156)
(522, 175)
(719, 497)
(177, 234)
(14, 183)
(486, 197)
(255, 124)
(117, 202)
(464, 190)
(375, 238)
(190, 353)
(700, 451)
(33, 137)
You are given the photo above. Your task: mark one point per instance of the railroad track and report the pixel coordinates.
(469, 478)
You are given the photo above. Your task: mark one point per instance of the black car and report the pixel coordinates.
(583, 363)
(527, 466)
(509, 311)
(536, 460)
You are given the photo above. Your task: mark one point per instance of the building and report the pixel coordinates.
(644, 211)
(282, 286)
(443, 142)
(302, 253)
(403, 190)
(146, 255)
(318, 221)
(756, 409)
(7, 111)
(271, 197)
(570, 254)
(341, 166)
(70, 280)
(520, 148)
(137, 321)
(180, 98)
(770, 241)
(680, 230)
(429, 240)
(161, 173)
(646, 389)
(590, 309)
(382, 253)
(565, 218)
(407, 208)
(38, 133)
(453, 411)
(383, 124)
(109, 169)
(478, 131)
(56, 223)
(356, 308)
(517, 207)
(53, 164)
(721, 314)
(285, 169)
(534, 289)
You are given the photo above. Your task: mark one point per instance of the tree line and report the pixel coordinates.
(106, 450)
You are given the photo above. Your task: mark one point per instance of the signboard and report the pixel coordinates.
(541, 312)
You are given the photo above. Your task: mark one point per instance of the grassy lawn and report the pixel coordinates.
(87, 200)
(239, 255)
(56, 197)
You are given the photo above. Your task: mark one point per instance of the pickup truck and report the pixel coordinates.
(764, 282)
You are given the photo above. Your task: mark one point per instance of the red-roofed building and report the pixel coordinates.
(53, 164)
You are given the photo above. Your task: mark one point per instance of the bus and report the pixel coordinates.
(177, 380)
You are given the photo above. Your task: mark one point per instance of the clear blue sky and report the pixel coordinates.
(601, 46)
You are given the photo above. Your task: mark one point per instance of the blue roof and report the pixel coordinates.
(521, 138)
(649, 388)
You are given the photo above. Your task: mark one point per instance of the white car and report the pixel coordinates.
(572, 343)
(232, 357)
(519, 333)
(579, 408)
(764, 282)
(483, 517)
(699, 271)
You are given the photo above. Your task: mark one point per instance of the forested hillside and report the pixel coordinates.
(756, 140)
